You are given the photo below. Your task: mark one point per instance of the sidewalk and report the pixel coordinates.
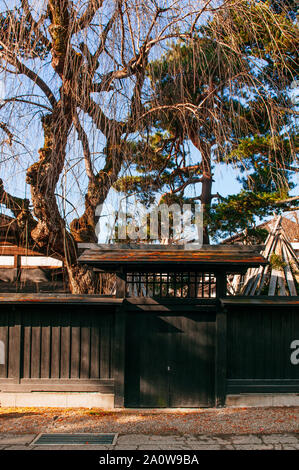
(174, 442)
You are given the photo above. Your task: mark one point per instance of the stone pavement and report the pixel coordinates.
(287, 441)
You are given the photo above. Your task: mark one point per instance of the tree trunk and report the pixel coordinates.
(206, 199)
(83, 228)
(82, 279)
(206, 180)
(50, 233)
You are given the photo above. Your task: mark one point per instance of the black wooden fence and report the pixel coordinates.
(151, 353)
(61, 347)
(260, 345)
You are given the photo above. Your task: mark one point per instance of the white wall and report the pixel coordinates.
(40, 261)
(31, 261)
(6, 261)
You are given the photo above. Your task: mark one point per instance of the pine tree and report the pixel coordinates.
(225, 90)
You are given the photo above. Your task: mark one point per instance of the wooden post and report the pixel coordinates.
(221, 360)
(119, 357)
(221, 284)
(120, 284)
(17, 266)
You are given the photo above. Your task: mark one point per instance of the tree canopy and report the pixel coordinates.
(75, 71)
(226, 91)
(97, 89)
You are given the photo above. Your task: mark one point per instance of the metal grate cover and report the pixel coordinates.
(75, 439)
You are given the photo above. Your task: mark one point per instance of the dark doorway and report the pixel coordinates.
(170, 360)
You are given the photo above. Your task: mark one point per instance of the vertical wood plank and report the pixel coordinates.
(55, 348)
(104, 347)
(221, 357)
(65, 345)
(95, 347)
(27, 345)
(119, 357)
(75, 346)
(46, 348)
(133, 366)
(4, 339)
(85, 350)
(35, 350)
(14, 346)
(111, 343)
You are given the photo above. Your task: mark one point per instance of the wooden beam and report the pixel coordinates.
(60, 298)
(275, 301)
(145, 247)
(54, 385)
(237, 386)
(11, 250)
(273, 280)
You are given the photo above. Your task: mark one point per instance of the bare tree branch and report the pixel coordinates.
(15, 204)
(86, 18)
(290, 199)
(85, 144)
(21, 100)
(35, 25)
(9, 134)
(103, 39)
(103, 123)
(23, 69)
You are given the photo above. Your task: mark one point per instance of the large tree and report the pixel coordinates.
(225, 90)
(83, 67)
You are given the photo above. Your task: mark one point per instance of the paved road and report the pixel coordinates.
(289, 441)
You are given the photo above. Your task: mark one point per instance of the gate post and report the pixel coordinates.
(120, 283)
(221, 361)
(119, 357)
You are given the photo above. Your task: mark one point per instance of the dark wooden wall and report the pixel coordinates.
(258, 349)
(212, 350)
(57, 347)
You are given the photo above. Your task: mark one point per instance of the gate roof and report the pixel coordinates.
(175, 256)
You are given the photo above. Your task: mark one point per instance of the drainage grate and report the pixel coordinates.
(75, 439)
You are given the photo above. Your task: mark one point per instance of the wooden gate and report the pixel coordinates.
(170, 360)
